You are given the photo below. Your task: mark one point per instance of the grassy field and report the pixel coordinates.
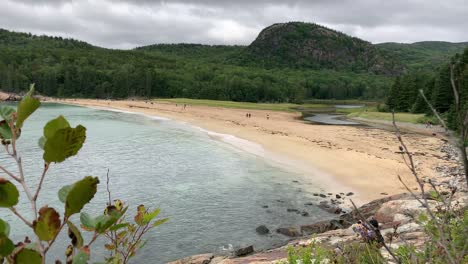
(244, 105)
(399, 117)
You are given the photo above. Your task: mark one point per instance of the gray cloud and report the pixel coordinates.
(130, 23)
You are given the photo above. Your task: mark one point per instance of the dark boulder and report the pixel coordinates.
(290, 231)
(244, 251)
(262, 230)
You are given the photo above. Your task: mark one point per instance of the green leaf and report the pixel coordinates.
(28, 256)
(63, 192)
(8, 193)
(26, 107)
(65, 143)
(103, 222)
(41, 142)
(160, 222)
(80, 194)
(75, 235)
(48, 224)
(5, 131)
(6, 111)
(6, 246)
(80, 258)
(87, 221)
(4, 228)
(54, 125)
(118, 226)
(150, 216)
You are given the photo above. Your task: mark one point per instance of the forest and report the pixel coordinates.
(404, 95)
(71, 68)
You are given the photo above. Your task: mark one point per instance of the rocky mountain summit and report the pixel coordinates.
(308, 45)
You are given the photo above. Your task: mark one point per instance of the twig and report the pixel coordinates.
(10, 174)
(13, 209)
(56, 235)
(442, 122)
(108, 190)
(46, 167)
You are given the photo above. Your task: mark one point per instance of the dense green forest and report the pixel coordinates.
(424, 55)
(70, 68)
(404, 94)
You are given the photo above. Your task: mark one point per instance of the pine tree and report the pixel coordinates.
(393, 94)
(442, 95)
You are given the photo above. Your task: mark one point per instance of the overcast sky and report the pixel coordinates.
(131, 23)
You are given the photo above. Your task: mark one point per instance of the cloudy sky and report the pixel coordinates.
(130, 23)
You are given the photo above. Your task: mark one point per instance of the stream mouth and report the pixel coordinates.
(331, 119)
(330, 115)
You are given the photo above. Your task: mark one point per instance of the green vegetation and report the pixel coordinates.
(244, 105)
(426, 55)
(60, 142)
(405, 95)
(308, 45)
(399, 117)
(70, 68)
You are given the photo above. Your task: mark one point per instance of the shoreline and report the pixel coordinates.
(239, 144)
(362, 160)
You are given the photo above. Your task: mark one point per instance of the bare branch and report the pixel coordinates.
(108, 190)
(434, 111)
(10, 174)
(13, 209)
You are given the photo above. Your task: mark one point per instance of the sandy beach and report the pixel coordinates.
(346, 158)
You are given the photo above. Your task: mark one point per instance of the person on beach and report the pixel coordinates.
(268, 117)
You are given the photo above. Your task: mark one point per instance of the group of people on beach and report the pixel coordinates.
(249, 115)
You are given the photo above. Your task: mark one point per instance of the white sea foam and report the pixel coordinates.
(129, 112)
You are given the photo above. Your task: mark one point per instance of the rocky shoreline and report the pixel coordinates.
(395, 214)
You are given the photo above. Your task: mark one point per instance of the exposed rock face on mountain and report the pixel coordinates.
(298, 44)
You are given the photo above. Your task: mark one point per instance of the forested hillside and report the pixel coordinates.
(404, 94)
(71, 68)
(425, 55)
(307, 45)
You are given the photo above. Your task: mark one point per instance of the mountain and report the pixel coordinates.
(288, 62)
(425, 55)
(307, 45)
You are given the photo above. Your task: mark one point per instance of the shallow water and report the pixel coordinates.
(329, 119)
(349, 106)
(212, 192)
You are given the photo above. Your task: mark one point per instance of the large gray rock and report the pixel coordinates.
(288, 231)
(196, 259)
(244, 251)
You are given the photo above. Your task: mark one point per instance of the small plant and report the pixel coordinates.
(60, 142)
